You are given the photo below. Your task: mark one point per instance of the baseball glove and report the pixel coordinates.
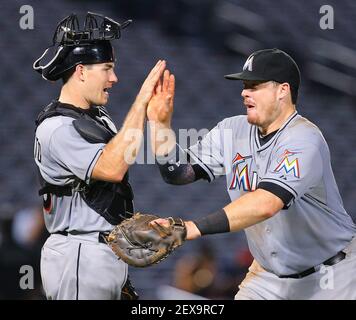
(139, 244)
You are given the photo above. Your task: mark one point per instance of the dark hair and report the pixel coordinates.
(294, 94)
(67, 75)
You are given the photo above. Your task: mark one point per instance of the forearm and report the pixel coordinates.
(163, 138)
(248, 210)
(252, 208)
(122, 149)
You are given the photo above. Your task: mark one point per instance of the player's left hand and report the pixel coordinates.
(160, 107)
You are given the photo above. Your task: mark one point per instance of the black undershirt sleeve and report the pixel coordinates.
(278, 191)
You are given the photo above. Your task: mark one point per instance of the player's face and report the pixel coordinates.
(261, 102)
(99, 79)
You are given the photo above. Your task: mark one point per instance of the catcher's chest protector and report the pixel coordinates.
(113, 201)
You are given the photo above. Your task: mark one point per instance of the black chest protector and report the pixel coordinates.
(113, 201)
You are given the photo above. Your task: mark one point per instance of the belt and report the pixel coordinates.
(329, 262)
(101, 236)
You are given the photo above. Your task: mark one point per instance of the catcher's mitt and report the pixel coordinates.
(139, 244)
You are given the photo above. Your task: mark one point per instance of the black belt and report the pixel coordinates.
(101, 236)
(330, 262)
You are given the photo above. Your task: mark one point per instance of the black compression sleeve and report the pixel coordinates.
(216, 222)
(175, 168)
(200, 173)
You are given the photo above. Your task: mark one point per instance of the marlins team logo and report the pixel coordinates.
(286, 165)
(240, 176)
(248, 63)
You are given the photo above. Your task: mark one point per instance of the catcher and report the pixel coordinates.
(280, 181)
(81, 160)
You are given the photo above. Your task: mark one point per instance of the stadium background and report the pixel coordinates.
(202, 40)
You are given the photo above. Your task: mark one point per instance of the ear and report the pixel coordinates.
(284, 90)
(80, 72)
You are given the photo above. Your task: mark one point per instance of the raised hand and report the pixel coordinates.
(151, 82)
(160, 107)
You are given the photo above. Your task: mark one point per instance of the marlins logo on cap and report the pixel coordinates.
(269, 65)
(248, 63)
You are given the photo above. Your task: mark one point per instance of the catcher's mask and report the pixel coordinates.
(73, 46)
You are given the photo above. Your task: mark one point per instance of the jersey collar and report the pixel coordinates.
(266, 145)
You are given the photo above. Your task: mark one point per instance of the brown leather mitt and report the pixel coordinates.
(140, 244)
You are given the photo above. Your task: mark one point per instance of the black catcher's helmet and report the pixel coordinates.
(74, 46)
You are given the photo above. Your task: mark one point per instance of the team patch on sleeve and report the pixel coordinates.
(288, 164)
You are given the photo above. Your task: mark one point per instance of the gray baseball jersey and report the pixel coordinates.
(293, 164)
(65, 155)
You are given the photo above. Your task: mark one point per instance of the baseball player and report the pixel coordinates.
(82, 162)
(280, 181)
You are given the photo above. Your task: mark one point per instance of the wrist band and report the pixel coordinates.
(216, 222)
